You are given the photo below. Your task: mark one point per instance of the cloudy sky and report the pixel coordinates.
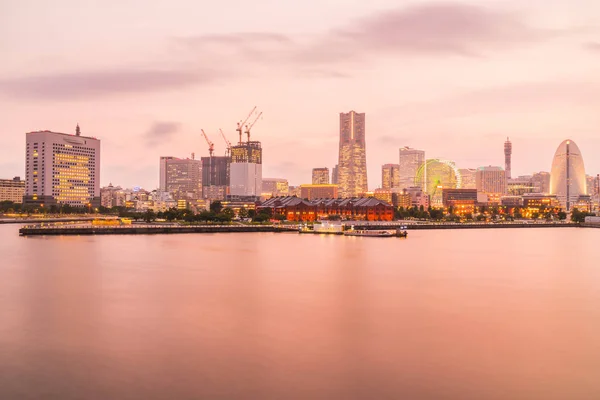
(452, 78)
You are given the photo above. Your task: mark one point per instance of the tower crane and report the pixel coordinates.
(241, 124)
(211, 145)
(249, 127)
(228, 153)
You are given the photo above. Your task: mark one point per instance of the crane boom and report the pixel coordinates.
(228, 153)
(249, 127)
(211, 145)
(241, 124)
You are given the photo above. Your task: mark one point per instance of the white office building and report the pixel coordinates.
(61, 168)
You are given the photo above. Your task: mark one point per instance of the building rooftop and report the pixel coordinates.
(65, 134)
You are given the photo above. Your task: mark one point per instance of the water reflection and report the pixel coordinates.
(491, 314)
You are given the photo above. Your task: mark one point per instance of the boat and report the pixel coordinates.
(373, 233)
(376, 233)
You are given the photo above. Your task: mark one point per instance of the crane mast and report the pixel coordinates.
(249, 127)
(211, 145)
(228, 152)
(241, 124)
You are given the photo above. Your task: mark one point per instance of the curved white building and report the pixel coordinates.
(567, 177)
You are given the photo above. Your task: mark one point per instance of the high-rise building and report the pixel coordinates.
(492, 182)
(322, 191)
(273, 187)
(62, 169)
(215, 170)
(320, 176)
(410, 161)
(12, 190)
(469, 178)
(182, 177)
(352, 164)
(507, 158)
(390, 176)
(541, 182)
(215, 177)
(334, 175)
(567, 177)
(246, 170)
(590, 183)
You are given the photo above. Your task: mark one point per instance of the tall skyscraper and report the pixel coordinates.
(182, 177)
(410, 161)
(320, 176)
(567, 177)
(390, 176)
(352, 164)
(246, 169)
(62, 169)
(507, 157)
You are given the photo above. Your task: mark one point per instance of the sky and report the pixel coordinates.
(452, 78)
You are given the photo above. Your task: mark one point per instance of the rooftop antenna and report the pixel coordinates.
(77, 130)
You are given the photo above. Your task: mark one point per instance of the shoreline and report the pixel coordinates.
(153, 229)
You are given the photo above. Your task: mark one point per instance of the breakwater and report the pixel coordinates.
(142, 229)
(149, 229)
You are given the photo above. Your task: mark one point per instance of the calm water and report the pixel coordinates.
(490, 314)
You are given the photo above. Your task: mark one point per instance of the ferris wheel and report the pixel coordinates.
(437, 174)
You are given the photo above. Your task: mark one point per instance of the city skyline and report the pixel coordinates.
(490, 71)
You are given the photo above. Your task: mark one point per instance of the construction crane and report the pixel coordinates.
(211, 145)
(228, 153)
(241, 124)
(248, 127)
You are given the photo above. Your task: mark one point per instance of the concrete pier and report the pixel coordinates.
(149, 229)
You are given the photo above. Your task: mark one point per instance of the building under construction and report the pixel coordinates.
(246, 169)
(239, 172)
(215, 177)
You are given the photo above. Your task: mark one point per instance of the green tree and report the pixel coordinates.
(243, 213)
(579, 216)
(216, 206)
(149, 216)
(226, 215)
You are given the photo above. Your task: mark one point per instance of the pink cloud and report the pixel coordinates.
(456, 29)
(161, 131)
(78, 85)
(593, 46)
